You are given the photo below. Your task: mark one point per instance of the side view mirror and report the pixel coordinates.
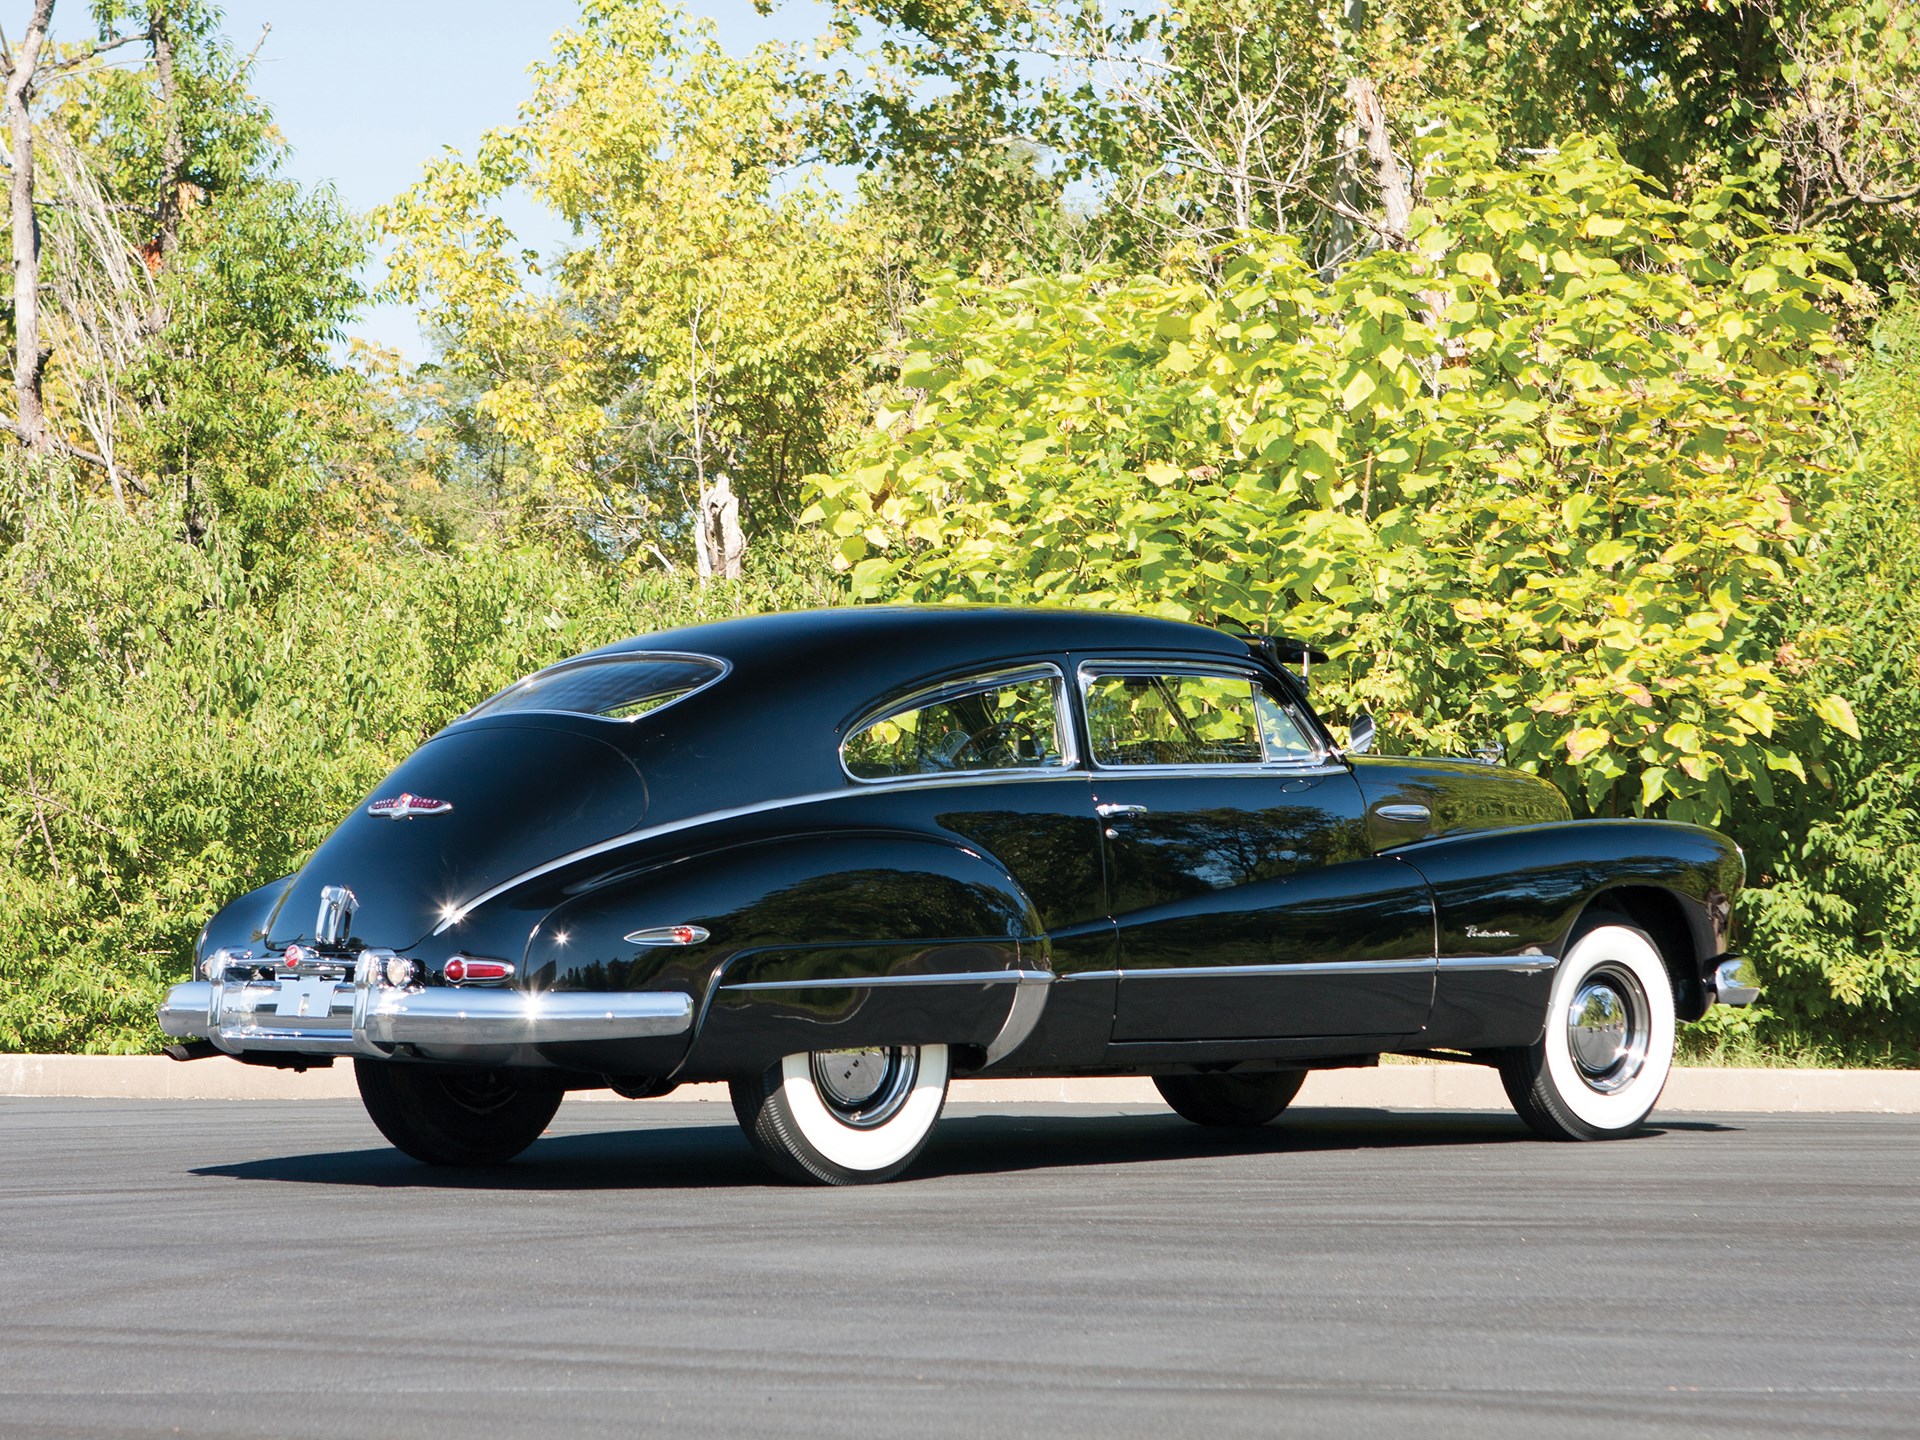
(1360, 734)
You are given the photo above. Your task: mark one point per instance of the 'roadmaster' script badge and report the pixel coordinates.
(405, 806)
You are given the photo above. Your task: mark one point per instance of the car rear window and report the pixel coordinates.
(620, 687)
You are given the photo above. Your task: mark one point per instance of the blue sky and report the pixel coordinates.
(365, 92)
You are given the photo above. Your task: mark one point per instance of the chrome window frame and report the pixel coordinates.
(1325, 761)
(721, 669)
(958, 688)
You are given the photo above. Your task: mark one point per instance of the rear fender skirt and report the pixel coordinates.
(772, 1003)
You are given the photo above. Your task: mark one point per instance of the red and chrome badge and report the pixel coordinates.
(405, 806)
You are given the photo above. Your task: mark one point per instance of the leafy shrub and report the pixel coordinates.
(1541, 478)
(1835, 916)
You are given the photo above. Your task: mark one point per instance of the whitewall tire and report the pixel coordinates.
(1607, 1049)
(844, 1117)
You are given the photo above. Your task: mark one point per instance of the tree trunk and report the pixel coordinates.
(29, 360)
(173, 145)
(723, 547)
(1389, 176)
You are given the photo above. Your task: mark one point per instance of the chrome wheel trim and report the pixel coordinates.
(865, 1088)
(1615, 949)
(1608, 1028)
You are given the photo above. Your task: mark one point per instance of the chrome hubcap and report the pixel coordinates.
(1607, 1029)
(864, 1088)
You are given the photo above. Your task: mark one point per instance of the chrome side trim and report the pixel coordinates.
(865, 982)
(1498, 962)
(620, 842)
(1029, 1001)
(1229, 972)
(1274, 769)
(1318, 967)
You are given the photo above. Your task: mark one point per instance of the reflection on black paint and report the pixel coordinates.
(1171, 857)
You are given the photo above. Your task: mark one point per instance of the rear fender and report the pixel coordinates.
(241, 924)
(777, 924)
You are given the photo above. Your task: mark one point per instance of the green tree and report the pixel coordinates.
(1540, 478)
(710, 318)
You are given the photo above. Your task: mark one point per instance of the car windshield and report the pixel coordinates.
(620, 687)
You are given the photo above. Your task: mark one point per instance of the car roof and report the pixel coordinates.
(867, 644)
(798, 680)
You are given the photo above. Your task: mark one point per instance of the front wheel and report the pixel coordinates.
(844, 1117)
(1239, 1101)
(456, 1117)
(1608, 1046)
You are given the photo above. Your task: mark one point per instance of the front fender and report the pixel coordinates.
(1507, 902)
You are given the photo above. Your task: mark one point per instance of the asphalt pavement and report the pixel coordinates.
(273, 1269)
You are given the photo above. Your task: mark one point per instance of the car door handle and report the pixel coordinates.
(1113, 808)
(1404, 814)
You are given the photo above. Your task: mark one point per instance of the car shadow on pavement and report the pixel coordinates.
(697, 1156)
(986, 1144)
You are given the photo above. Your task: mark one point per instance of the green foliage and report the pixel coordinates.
(1835, 918)
(1540, 475)
(230, 404)
(169, 739)
(711, 317)
(254, 405)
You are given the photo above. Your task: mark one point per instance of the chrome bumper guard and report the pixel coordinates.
(329, 1014)
(1735, 982)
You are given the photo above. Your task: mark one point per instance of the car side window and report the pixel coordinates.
(1011, 725)
(1281, 734)
(1190, 719)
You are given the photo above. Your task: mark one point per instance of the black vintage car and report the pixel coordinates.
(835, 858)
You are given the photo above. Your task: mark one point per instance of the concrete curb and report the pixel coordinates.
(1390, 1087)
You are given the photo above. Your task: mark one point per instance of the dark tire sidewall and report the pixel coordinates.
(423, 1112)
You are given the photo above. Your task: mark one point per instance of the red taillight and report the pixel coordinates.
(462, 970)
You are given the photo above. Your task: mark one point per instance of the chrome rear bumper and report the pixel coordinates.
(240, 1011)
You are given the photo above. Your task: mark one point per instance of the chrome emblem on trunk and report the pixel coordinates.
(335, 920)
(405, 806)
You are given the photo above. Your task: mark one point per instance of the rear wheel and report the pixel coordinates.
(1604, 1057)
(456, 1117)
(1231, 1099)
(844, 1117)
